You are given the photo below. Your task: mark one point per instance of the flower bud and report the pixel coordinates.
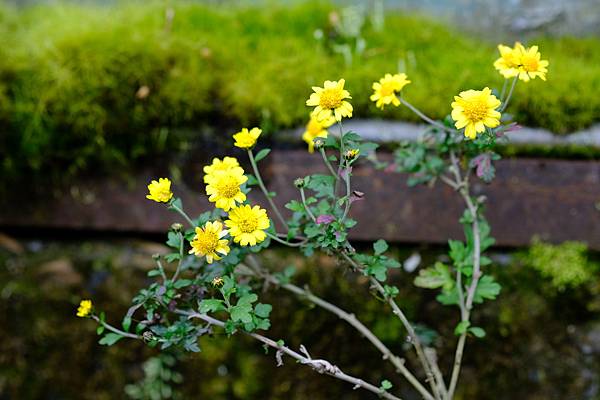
(300, 183)
(351, 154)
(177, 227)
(319, 143)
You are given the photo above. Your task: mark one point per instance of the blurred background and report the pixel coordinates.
(96, 97)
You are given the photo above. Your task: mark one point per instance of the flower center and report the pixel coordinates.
(330, 98)
(475, 110)
(228, 188)
(387, 89)
(249, 224)
(206, 242)
(530, 63)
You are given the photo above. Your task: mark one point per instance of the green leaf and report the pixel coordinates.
(487, 289)
(241, 313)
(176, 203)
(248, 299)
(110, 338)
(477, 331)
(391, 291)
(261, 154)
(174, 240)
(462, 327)
(181, 283)
(126, 323)
(380, 247)
(386, 385)
(263, 310)
(433, 278)
(210, 305)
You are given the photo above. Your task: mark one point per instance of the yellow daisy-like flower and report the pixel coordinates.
(223, 188)
(160, 191)
(246, 139)
(385, 90)
(530, 63)
(509, 61)
(474, 110)
(209, 241)
(84, 309)
(315, 129)
(247, 224)
(227, 164)
(330, 100)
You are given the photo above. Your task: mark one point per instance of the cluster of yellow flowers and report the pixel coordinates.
(522, 62)
(224, 178)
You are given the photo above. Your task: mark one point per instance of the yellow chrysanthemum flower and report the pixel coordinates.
(160, 191)
(227, 164)
(84, 309)
(530, 63)
(247, 224)
(223, 188)
(474, 110)
(509, 61)
(329, 100)
(385, 90)
(246, 139)
(315, 129)
(209, 241)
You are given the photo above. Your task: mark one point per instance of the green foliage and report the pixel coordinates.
(158, 381)
(565, 265)
(88, 86)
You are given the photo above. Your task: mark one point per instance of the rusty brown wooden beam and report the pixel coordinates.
(553, 199)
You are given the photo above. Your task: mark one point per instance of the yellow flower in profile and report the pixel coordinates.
(509, 61)
(385, 90)
(247, 224)
(209, 241)
(315, 129)
(474, 110)
(245, 138)
(227, 164)
(84, 309)
(531, 65)
(223, 188)
(330, 101)
(160, 191)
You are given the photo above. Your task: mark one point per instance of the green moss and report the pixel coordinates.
(565, 264)
(71, 76)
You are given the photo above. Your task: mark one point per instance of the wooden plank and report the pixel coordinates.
(553, 199)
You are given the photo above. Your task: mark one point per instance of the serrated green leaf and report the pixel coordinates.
(263, 310)
(434, 277)
(386, 385)
(487, 289)
(210, 305)
(380, 247)
(110, 338)
(462, 327)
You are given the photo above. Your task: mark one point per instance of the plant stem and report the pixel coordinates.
(350, 319)
(181, 240)
(264, 189)
(115, 330)
(183, 214)
(319, 365)
(503, 90)
(512, 88)
(425, 117)
(303, 197)
(328, 163)
(414, 339)
(275, 238)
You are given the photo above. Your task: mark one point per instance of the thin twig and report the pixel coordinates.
(350, 319)
(264, 190)
(115, 330)
(319, 365)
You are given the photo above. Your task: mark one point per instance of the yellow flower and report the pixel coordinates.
(385, 90)
(329, 100)
(474, 110)
(245, 139)
(223, 188)
(509, 61)
(531, 65)
(247, 224)
(84, 309)
(227, 164)
(209, 241)
(315, 129)
(160, 191)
